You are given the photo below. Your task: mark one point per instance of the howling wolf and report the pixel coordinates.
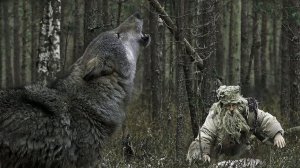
(66, 123)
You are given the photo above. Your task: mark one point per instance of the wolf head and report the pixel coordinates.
(115, 51)
(131, 29)
(110, 59)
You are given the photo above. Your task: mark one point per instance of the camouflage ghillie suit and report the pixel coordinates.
(226, 134)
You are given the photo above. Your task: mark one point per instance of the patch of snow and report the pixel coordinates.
(246, 162)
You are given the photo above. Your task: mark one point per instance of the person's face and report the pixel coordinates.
(231, 106)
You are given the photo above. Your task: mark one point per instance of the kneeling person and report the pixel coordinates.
(230, 123)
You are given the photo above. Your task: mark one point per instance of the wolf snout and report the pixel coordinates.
(145, 39)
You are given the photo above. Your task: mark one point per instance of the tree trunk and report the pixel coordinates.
(146, 81)
(162, 47)
(155, 68)
(294, 48)
(285, 68)
(34, 20)
(79, 29)
(225, 40)
(220, 54)
(256, 50)
(277, 21)
(8, 27)
(67, 36)
(120, 4)
(27, 39)
(246, 62)
(2, 48)
(49, 51)
(105, 15)
(172, 62)
(271, 59)
(207, 39)
(189, 77)
(180, 83)
(93, 23)
(264, 54)
(17, 43)
(235, 43)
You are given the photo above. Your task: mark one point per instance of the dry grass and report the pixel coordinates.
(154, 146)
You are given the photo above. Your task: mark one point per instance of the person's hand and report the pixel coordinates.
(279, 140)
(194, 152)
(206, 158)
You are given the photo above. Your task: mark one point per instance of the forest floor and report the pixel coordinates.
(155, 147)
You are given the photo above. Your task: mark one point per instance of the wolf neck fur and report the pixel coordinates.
(74, 84)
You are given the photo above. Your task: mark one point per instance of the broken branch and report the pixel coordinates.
(173, 29)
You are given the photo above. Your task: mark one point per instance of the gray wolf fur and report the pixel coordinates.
(65, 124)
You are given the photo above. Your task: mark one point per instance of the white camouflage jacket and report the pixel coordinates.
(263, 125)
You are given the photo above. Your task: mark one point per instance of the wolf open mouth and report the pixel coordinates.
(145, 39)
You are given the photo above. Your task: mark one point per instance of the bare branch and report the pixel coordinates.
(173, 29)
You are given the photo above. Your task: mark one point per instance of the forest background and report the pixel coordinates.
(254, 44)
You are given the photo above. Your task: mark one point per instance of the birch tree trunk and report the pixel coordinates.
(49, 62)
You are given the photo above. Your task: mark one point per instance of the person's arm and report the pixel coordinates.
(271, 128)
(208, 134)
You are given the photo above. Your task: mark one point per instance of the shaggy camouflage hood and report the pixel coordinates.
(229, 94)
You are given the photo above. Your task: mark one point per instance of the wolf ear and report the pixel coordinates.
(93, 69)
